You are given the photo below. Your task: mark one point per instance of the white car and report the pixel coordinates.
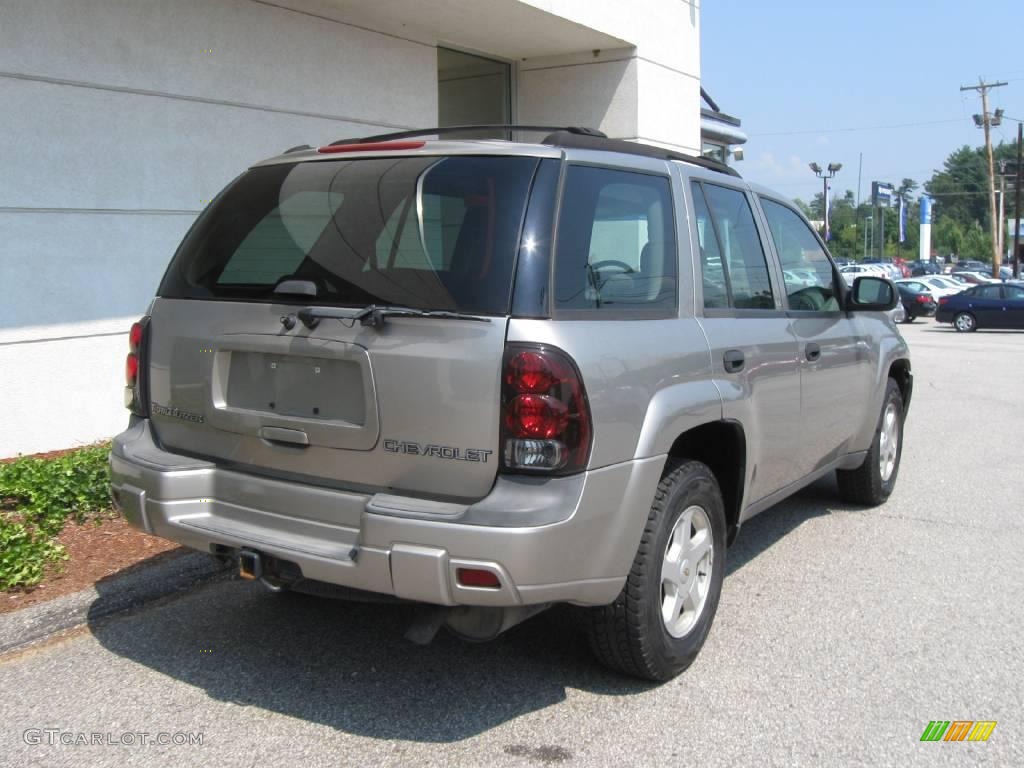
(852, 271)
(944, 282)
(921, 284)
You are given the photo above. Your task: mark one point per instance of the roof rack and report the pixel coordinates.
(573, 141)
(568, 137)
(448, 129)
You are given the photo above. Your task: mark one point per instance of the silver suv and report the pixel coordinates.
(492, 376)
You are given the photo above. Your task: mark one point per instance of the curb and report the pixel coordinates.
(113, 595)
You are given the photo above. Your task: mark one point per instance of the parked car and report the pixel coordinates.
(917, 299)
(919, 268)
(946, 283)
(852, 271)
(378, 365)
(974, 278)
(997, 305)
(972, 265)
(922, 284)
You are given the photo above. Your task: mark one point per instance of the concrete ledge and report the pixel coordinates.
(115, 594)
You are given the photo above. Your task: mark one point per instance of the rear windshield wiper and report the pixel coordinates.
(374, 316)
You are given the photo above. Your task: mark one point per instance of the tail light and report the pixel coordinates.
(134, 369)
(545, 417)
(943, 299)
(924, 299)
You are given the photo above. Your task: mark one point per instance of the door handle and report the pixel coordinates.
(812, 351)
(282, 435)
(733, 360)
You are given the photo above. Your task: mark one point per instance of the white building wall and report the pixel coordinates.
(122, 118)
(649, 92)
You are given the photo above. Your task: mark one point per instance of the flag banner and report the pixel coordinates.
(903, 220)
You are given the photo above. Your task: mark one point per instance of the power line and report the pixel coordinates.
(856, 128)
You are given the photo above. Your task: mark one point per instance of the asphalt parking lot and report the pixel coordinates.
(841, 633)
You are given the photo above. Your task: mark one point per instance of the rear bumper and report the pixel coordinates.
(570, 539)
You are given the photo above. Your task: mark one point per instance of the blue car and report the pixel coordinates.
(994, 305)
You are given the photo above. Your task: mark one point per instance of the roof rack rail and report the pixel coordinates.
(568, 137)
(442, 131)
(580, 141)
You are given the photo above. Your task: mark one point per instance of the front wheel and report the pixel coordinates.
(965, 322)
(659, 622)
(873, 481)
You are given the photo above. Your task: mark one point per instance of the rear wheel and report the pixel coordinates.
(659, 622)
(965, 322)
(872, 482)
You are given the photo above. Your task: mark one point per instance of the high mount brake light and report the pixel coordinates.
(134, 395)
(545, 416)
(373, 146)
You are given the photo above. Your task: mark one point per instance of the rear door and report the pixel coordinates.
(986, 304)
(753, 349)
(409, 405)
(1014, 306)
(834, 348)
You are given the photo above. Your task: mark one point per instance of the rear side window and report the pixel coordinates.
(988, 292)
(424, 232)
(735, 271)
(616, 242)
(806, 268)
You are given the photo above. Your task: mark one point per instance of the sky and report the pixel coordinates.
(813, 81)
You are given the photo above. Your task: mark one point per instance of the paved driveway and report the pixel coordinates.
(840, 634)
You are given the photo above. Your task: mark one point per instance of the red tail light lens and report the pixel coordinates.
(477, 577)
(134, 391)
(135, 337)
(922, 299)
(545, 425)
(131, 369)
(943, 299)
(372, 146)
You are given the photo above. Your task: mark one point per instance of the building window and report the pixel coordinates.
(473, 90)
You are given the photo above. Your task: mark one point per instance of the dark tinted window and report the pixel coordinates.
(425, 232)
(987, 292)
(806, 269)
(1014, 292)
(736, 254)
(616, 242)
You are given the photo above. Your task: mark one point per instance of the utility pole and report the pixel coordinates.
(1016, 202)
(986, 121)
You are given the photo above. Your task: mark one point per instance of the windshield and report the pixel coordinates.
(422, 232)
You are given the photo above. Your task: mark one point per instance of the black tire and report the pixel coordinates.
(965, 322)
(865, 484)
(909, 318)
(629, 635)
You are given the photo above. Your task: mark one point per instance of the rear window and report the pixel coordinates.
(423, 232)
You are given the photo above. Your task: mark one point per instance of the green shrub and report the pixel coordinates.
(24, 552)
(37, 497)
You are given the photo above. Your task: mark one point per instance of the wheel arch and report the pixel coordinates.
(722, 446)
(900, 371)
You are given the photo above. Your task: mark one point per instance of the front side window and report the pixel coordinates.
(616, 242)
(735, 271)
(806, 268)
(425, 232)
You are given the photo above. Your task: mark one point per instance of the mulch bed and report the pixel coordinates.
(95, 551)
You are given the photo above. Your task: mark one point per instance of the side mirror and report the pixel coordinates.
(872, 294)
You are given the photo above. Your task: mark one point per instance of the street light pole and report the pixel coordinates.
(825, 175)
